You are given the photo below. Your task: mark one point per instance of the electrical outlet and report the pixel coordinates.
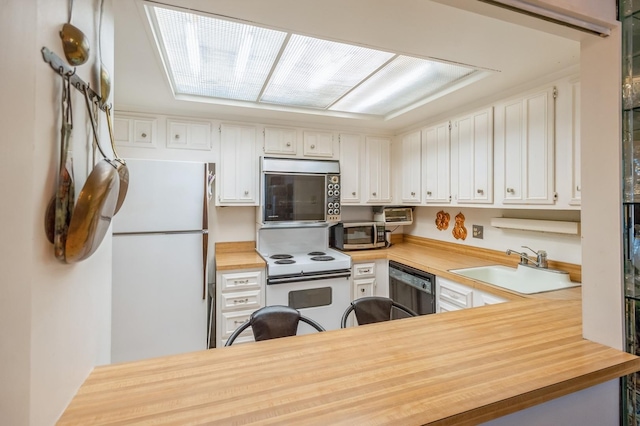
(478, 231)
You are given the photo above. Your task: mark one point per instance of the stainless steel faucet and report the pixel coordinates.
(540, 261)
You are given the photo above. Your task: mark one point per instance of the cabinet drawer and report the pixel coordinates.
(239, 340)
(457, 295)
(364, 270)
(232, 320)
(241, 280)
(244, 300)
(490, 299)
(447, 307)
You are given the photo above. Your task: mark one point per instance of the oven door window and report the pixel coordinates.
(310, 298)
(294, 198)
(359, 235)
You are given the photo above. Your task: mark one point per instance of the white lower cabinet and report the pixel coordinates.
(238, 294)
(369, 278)
(364, 279)
(364, 287)
(483, 298)
(453, 296)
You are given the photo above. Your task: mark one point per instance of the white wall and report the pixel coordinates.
(602, 288)
(564, 248)
(16, 146)
(55, 318)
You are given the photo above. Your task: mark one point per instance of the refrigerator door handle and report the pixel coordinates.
(205, 252)
(205, 230)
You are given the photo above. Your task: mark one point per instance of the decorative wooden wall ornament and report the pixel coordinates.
(459, 231)
(442, 220)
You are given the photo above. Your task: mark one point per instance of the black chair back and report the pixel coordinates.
(373, 309)
(273, 322)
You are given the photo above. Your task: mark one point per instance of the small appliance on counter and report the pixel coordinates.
(357, 235)
(391, 216)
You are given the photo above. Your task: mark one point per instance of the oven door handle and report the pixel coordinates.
(301, 278)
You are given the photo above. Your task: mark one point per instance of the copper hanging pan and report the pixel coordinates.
(123, 170)
(95, 205)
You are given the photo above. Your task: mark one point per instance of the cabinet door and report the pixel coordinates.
(237, 182)
(378, 170)
(411, 170)
(136, 132)
(363, 287)
(436, 148)
(351, 148)
(474, 143)
(318, 144)
(575, 144)
(529, 149)
(280, 141)
(188, 135)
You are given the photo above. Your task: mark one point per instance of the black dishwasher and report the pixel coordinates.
(412, 288)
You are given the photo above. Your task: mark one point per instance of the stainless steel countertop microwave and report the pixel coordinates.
(357, 235)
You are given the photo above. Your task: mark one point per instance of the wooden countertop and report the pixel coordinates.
(438, 258)
(427, 255)
(454, 368)
(242, 255)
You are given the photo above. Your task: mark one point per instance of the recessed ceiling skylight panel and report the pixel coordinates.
(224, 60)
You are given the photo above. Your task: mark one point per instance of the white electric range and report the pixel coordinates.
(304, 273)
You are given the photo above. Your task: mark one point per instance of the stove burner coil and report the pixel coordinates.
(322, 258)
(316, 253)
(284, 261)
(281, 256)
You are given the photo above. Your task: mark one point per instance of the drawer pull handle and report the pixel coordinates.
(144, 135)
(288, 143)
(236, 322)
(480, 191)
(236, 301)
(241, 281)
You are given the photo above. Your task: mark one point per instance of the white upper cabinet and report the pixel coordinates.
(410, 168)
(188, 134)
(318, 144)
(351, 149)
(436, 152)
(528, 140)
(377, 170)
(280, 141)
(237, 178)
(576, 186)
(134, 131)
(472, 137)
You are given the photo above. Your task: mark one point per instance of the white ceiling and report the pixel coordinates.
(413, 27)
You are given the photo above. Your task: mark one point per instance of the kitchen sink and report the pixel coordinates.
(523, 279)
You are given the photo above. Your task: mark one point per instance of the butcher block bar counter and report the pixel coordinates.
(454, 368)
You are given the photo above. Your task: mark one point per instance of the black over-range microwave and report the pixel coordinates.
(357, 235)
(296, 191)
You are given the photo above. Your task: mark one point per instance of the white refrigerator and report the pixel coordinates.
(160, 240)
